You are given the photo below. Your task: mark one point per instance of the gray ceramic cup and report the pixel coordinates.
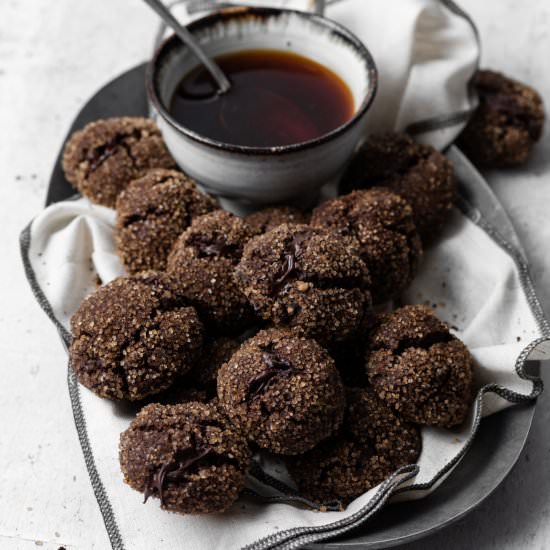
(264, 175)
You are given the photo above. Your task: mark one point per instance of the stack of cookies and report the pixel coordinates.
(244, 334)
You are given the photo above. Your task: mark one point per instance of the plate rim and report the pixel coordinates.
(55, 194)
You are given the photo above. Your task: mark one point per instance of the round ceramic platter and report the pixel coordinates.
(501, 437)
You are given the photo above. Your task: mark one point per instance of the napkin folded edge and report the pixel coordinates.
(394, 485)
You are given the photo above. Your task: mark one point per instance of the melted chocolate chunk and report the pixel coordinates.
(213, 246)
(99, 155)
(275, 361)
(183, 463)
(289, 268)
(277, 366)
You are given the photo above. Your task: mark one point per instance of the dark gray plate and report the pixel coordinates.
(501, 438)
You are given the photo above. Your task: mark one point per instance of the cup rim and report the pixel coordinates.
(231, 13)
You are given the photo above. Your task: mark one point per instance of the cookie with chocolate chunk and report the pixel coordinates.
(134, 337)
(372, 443)
(419, 368)
(308, 279)
(419, 173)
(186, 455)
(106, 155)
(506, 124)
(203, 261)
(152, 212)
(383, 224)
(266, 219)
(282, 391)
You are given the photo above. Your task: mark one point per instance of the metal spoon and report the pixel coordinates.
(189, 40)
(320, 7)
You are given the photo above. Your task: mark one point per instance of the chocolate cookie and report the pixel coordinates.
(419, 173)
(105, 156)
(185, 455)
(309, 279)
(267, 219)
(383, 224)
(134, 337)
(282, 391)
(419, 368)
(372, 443)
(507, 123)
(152, 212)
(203, 260)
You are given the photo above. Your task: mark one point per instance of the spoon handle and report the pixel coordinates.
(320, 7)
(189, 40)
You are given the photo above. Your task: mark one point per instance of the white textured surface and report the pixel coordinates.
(53, 55)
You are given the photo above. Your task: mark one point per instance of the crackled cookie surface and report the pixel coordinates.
(419, 368)
(203, 261)
(383, 224)
(372, 443)
(152, 212)
(282, 391)
(134, 337)
(307, 278)
(507, 123)
(106, 155)
(419, 173)
(185, 455)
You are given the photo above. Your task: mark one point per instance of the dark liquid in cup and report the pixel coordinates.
(277, 98)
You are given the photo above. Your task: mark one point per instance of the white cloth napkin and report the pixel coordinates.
(425, 50)
(474, 284)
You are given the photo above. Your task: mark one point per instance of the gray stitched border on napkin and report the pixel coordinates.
(297, 537)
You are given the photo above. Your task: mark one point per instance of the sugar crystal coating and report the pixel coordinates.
(383, 224)
(419, 368)
(185, 455)
(266, 219)
(203, 261)
(134, 337)
(372, 443)
(106, 155)
(308, 279)
(282, 391)
(152, 212)
(419, 173)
